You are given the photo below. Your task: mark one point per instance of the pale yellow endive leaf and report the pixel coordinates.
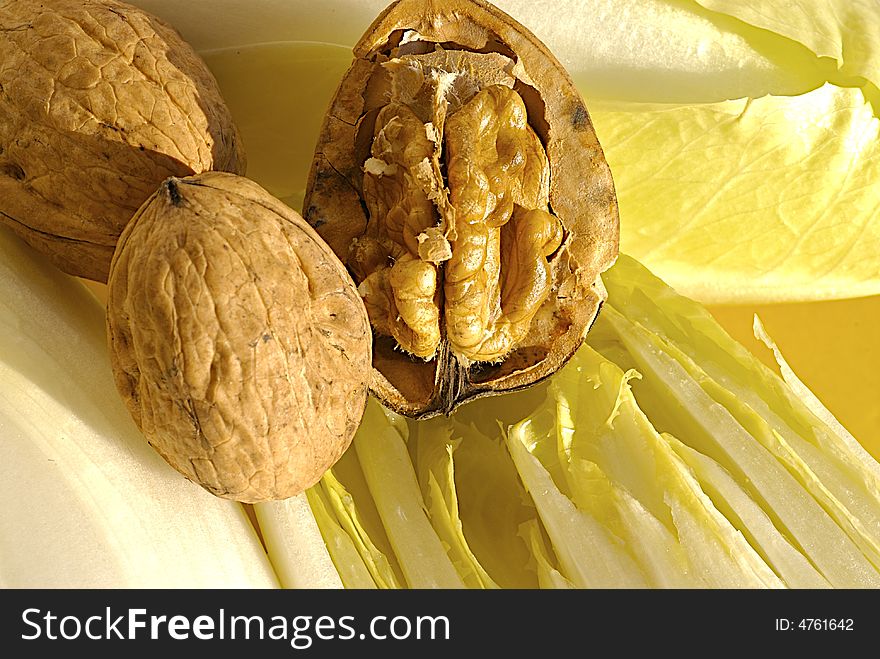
(770, 199)
(624, 49)
(847, 31)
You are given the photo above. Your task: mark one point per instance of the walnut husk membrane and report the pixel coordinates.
(237, 338)
(99, 103)
(458, 176)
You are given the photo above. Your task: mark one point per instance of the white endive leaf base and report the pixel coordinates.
(85, 502)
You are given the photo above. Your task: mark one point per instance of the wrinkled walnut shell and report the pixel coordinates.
(99, 103)
(238, 341)
(387, 192)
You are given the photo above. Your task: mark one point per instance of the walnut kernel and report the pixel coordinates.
(459, 178)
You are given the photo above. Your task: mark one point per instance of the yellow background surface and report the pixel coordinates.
(834, 347)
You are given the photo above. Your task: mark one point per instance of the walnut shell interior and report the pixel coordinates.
(458, 176)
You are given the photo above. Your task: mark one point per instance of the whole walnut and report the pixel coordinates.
(99, 103)
(458, 176)
(238, 340)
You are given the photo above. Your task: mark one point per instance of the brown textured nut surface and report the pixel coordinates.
(99, 103)
(238, 340)
(458, 176)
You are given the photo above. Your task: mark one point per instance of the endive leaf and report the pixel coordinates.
(675, 530)
(675, 393)
(352, 568)
(656, 548)
(391, 478)
(294, 543)
(548, 575)
(354, 507)
(767, 199)
(727, 495)
(338, 502)
(85, 501)
(590, 555)
(654, 49)
(435, 469)
(847, 31)
(788, 420)
(621, 48)
(493, 504)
